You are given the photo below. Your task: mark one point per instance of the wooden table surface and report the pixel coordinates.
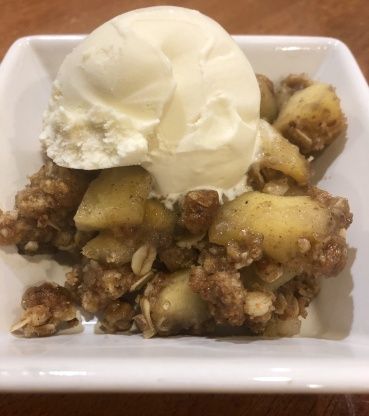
(343, 19)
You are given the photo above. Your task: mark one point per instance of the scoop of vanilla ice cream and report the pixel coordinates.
(163, 87)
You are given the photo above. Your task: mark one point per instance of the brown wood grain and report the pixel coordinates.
(182, 405)
(344, 19)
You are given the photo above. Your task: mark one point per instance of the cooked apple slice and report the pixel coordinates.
(109, 248)
(282, 220)
(116, 198)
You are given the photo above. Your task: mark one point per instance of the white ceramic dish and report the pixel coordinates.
(332, 354)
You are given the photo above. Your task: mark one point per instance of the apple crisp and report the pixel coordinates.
(252, 263)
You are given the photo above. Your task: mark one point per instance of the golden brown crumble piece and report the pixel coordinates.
(176, 258)
(291, 84)
(330, 256)
(42, 219)
(244, 252)
(338, 206)
(218, 281)
(259, 307)
(294, 297)
(96, 285)
(17, 230)
(52, 189)
(223, 292)
(229, 302)
(198, 210)
(117, 317)
(214, 258)
(47, 309)
(236, 254)
(286, 305)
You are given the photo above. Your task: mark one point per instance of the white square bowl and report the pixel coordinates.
(332, 353)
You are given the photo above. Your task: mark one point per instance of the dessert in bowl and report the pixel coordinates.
(178, 183)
